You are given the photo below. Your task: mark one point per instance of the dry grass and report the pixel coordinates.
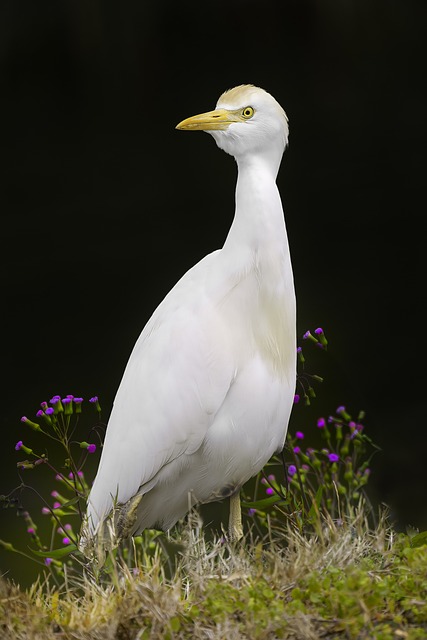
(281, 588)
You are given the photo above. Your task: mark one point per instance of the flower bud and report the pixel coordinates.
(57, 404)
(46, 417)
(33, 425)
(341, 411)
(317, 378)
(321, 335)
(309, 336)
(95, 403)
(24, 464)
(78, 404)
(20, 446)
(68, 406)
(7, 545)
(345, 446)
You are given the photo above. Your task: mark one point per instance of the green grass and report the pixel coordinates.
(345, 582)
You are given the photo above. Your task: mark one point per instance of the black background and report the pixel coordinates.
(104, 205)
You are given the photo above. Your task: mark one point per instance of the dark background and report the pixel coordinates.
(104, 205)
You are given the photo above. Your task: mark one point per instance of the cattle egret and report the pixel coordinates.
(206, 395)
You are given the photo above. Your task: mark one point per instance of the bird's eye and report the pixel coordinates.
(248, 112)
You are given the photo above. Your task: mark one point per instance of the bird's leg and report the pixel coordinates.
(235, 529)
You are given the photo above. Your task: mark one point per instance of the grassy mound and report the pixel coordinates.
(343, 582)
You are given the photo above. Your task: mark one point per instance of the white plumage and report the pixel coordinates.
(206, 395)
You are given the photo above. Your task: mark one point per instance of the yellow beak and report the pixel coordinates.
(219, 119)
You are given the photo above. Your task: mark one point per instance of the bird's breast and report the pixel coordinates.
(258, 307)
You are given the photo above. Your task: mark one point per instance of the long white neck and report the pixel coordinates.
(258, 223)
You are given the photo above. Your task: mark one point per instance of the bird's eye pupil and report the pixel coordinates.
(248, 112)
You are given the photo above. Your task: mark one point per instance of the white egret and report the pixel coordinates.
(207, 393)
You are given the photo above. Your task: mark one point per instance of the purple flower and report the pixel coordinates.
(296, 398)
(66, 400)
(297, 450)
(318, 331)
(271, 477)
(269, 491)
(299, 435)
(78, 400)
(57, 505)
(299, 349)
(333, 457)
(306, 335)
(39, 414)
(91, 448)
(66, 540)
(264, 481)
(31, 531)
(340, 409)
(251, 512)
(94, 399)
(67, 527)
(43, 405)
(47, 561)
(292, 469)
(321, 423)
(54, 494)
(45, 511)
(70, 396)
(305, 467)
(18, 445)
(49, 411)
(55, 399)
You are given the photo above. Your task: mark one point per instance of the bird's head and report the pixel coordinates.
(246, 120)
